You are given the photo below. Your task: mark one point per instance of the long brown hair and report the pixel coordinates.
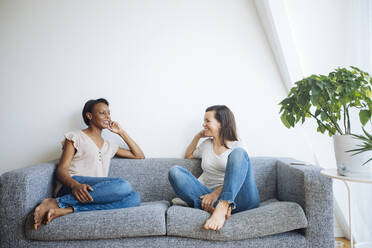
(227, 120)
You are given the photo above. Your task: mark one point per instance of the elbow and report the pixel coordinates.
(140, 156)
(188, 156)
(59, 172)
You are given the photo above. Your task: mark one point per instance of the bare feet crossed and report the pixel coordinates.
(44, 208)
(56, 212)
(220, 214)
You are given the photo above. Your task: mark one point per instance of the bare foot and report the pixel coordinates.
(210, 210)
(219, 216)
(57, 212)
(228, 214)
(42, 209)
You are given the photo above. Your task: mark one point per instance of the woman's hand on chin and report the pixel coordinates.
(202, 134)
(115, 127)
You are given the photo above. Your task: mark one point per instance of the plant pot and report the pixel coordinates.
(348, 165)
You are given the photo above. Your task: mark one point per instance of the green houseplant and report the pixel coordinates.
(329, 99)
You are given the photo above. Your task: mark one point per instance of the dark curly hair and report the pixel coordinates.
(89, 105)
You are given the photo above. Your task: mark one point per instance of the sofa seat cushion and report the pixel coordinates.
(271, 217)
(148, 219)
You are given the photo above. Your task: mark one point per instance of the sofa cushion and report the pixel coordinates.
(148, 219)
(271, 217)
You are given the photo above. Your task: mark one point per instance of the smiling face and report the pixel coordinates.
(211, 126)
(100, 116)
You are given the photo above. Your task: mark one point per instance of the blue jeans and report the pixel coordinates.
(108, 193)
(239, 187)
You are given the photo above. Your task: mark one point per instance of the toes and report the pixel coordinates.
(213, 224)
(37, 223)
(209, 225)
(48, 217)
(206, 225)
(37, 220)
(36, 215)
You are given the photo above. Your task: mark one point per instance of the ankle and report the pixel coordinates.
(224, 204)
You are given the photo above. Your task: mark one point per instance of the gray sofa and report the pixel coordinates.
(296, 210)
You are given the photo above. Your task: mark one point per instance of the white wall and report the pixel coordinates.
(159, 63)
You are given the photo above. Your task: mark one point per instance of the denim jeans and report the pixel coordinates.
(108, 193)
(239, 187)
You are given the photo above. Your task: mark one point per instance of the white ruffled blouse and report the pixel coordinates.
(89, 160)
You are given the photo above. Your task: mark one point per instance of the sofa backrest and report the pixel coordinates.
(149, 177)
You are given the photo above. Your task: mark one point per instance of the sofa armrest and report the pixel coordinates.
(305, 185)
(20, 192)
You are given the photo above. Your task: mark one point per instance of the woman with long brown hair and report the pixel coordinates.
(227, 184)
